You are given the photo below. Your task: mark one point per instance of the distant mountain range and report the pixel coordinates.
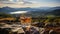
(33, 11)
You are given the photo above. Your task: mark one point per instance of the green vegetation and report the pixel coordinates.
(48, 19)
(39, 19)
(4, 15)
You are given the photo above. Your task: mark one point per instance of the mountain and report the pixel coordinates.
(6, 9)
(55, 12)
(9, 9)
(40, 11)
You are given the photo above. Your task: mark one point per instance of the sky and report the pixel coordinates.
(29, 3)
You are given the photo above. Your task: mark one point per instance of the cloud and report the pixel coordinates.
(15, 2)
(6, 2)
(29, 3)
(10, 0)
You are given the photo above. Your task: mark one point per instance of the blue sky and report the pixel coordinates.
(43, 1)
(57, 1)
(38, 3)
